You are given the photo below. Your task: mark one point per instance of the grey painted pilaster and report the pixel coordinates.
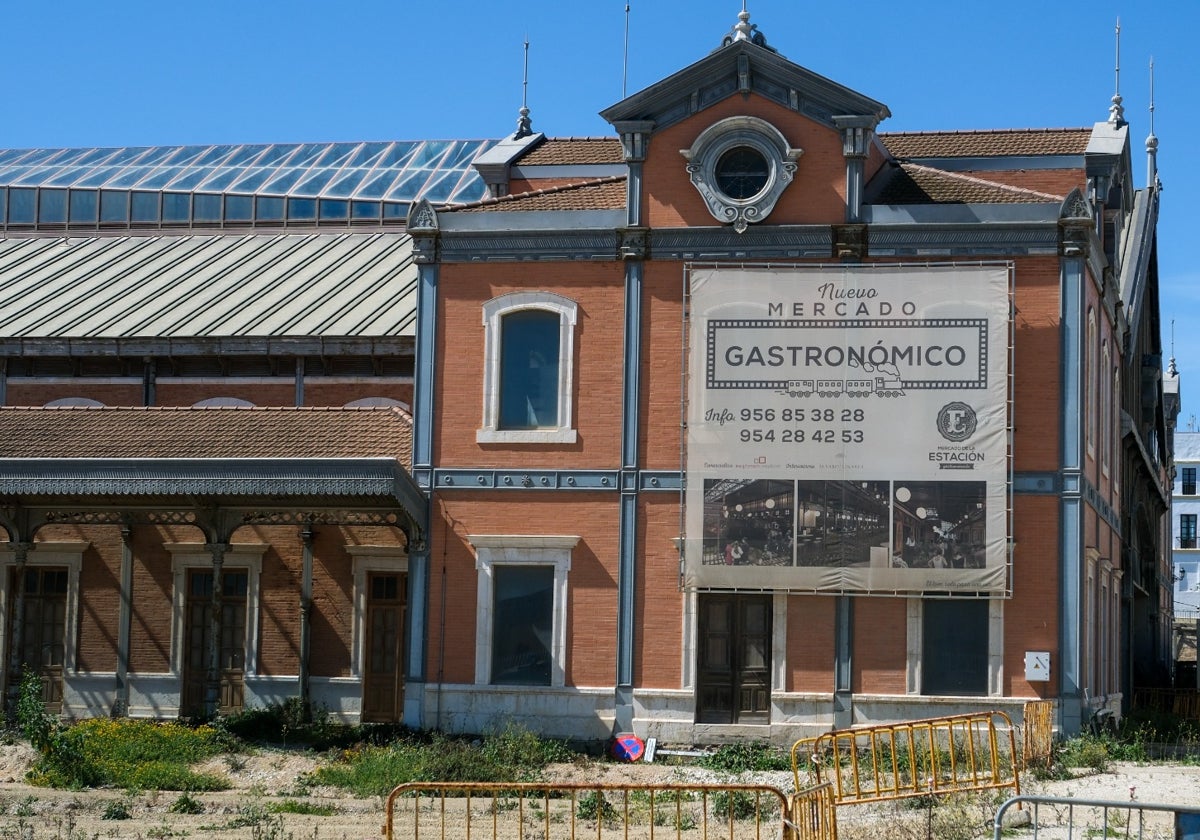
(306, 587)
(212, 682)
(3, 381)
(635, 139)
(1071, 566)
(299, 399)
(626, 562)
(20, 550)
(857, 132)
(843, 640)
(149, 383)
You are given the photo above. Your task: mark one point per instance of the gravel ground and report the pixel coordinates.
(266, 778)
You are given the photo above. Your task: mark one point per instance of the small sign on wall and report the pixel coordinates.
(1037, 666)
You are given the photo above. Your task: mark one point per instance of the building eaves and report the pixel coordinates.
(594, 194)
(910, 183)
(204, 433)
(998, 143)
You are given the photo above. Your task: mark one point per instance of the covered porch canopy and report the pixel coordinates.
(216, 469)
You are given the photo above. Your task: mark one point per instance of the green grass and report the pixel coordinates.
(295, 806)
(513, 755)
(747, 756)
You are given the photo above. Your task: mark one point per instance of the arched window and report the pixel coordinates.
(223, 402)
(1106, 407)
(529, 340)
(1089, 384)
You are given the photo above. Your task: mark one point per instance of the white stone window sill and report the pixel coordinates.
(525, 436)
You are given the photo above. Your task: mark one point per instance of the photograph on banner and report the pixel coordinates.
(847, 428)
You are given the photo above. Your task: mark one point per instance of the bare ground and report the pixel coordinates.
(264, 779)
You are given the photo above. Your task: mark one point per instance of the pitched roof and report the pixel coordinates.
(593, 194)
(205, 433)
(299, 285)
(559, 151)
(1000, 143)
(910, 183)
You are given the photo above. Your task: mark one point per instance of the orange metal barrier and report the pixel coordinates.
(536, 811)
(1037, 728)
(916, 758)
(813, 814)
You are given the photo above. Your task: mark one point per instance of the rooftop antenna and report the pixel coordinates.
(625, 57)
(1116, 111)
(524, 124)
(1171, 369)
(1152, 165)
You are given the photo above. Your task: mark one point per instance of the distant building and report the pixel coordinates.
(744, 421)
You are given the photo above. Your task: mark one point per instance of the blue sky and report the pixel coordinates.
(147, 72)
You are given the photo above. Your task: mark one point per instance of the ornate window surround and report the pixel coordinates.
(521, 550)
(494, 311)
(364, 560)
(68, 554)
(185, 556)
(730, 133)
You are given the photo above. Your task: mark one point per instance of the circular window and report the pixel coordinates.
(742, 172)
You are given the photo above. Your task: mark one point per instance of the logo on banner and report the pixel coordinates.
(956, 421)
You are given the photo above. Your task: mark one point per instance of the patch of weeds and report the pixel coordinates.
(742, 805)
(747, 756)
(1089, 751)
(236, 762)
(186, 804)
(164, 831)
(593, 806)
(512, 755)
(312, 809)
(24, 808)
(116, 809)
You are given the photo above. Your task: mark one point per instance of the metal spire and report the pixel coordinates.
(1152, 162)
(1116, 111)
(625, 57)
(744, 30)
(524, 124)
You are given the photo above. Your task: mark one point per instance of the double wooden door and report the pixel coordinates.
(733, 682)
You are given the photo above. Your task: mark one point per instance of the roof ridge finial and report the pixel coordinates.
(1171, 369)
(1116, 111)
(524, 124)
(1152, 150)
(744, 30)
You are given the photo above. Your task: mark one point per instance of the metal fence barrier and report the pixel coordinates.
(969, 752)
(1068, 819)
(1037, 734)
(540, 811)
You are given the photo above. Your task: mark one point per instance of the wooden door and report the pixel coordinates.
(198, 631)
(383, 672)
(44, 630)
(734, 659)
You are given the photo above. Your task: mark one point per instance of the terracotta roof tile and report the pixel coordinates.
(909, 183)
(205, 433)
(593, 194)
(1029, 141)
(559, 151)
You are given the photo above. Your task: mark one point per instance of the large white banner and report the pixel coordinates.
(847, 429)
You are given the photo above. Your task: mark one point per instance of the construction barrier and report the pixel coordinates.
(1037, 734)
(1069, 818)
(969, 752)
(538, 811)
(813, 814)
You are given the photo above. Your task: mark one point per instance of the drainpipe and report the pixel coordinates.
(306, 536)
(212, 686)
(124, 623)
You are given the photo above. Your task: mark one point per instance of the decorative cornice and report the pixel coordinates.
(968, 240)
(768, 242)
(488, 479)
(531, 246)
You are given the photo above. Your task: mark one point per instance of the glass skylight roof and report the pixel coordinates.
(439, 170)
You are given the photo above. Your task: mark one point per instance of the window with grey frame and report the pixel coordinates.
(529, 369)
(1189, 481)
(522, 625)
(1187, 530)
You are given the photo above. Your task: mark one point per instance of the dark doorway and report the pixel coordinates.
(198, 629)
(43, 632)
(733, 682)
(383, 674)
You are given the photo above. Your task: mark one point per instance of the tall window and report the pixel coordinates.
(521, 623)
(529, 340)
(1089, 384)
(1187, 530)
(1106, 408)
(529, 369)
(1189, 481)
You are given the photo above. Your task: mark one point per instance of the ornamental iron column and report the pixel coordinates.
(212, 682)
(306, 575)
(20, 555)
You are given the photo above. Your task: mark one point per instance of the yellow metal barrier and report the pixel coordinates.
(813, 814)
(536, 811)
(916, 758)
(1037, 728)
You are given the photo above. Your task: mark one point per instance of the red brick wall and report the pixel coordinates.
(817, 194)
(658, 605)
(599, 290)
(1036, 398)
(258, 393)
(341, 393)
(1031, 616)
(880, 632)
(25, 393)
(810, 643)
(591, 582)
